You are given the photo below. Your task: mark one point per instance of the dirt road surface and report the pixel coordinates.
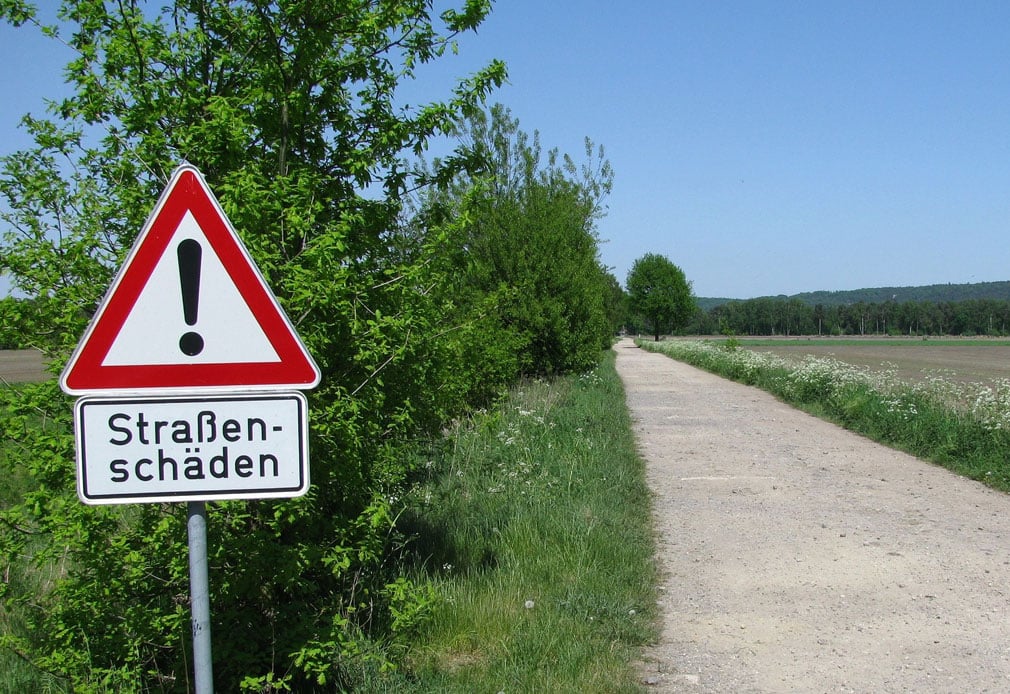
(799, 557)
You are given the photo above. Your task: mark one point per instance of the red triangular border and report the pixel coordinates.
(187, 191)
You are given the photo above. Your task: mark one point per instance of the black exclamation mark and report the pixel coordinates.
(189, 253)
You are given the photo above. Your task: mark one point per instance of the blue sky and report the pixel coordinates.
(765, 147)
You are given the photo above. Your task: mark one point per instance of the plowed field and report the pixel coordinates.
(22, 366)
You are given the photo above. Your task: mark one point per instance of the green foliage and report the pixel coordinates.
(731, 344)
(965, 309)
(291, 112)
(527, 248)
(615, 304)
(794, 316)
(659, 291)
(931, 294)
(16, 323)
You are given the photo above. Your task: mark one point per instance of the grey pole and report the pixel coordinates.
(199, 589)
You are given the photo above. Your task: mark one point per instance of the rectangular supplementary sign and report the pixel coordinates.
(191, 448)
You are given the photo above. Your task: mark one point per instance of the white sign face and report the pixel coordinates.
(191, 448)
(229, 331)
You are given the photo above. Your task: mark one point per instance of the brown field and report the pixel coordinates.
(914, 358)
(22, 366)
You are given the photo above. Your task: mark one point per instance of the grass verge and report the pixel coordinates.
(533, 528)
(963, 426)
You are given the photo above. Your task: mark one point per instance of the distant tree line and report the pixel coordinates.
(791, 316)
(936, 293)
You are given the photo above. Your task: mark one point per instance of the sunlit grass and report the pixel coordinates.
(539, 546)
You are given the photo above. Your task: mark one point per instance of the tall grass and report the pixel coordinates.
(962, 426)
(533, 527)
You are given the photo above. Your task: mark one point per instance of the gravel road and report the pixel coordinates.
(799, 557)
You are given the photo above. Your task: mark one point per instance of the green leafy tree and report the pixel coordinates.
(659, 291)
(616, 303)
(292, 112)
(528, 254)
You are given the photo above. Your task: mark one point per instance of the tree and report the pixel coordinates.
(528, 256)
(616, 303)
(660, 292)
(291, 110)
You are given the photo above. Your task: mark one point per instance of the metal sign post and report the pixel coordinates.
(199, 588)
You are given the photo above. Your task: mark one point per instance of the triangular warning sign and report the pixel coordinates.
(189, 311)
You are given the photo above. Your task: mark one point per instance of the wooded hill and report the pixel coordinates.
(942, 309)
(933, 292)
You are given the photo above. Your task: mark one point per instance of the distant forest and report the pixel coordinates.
(937, 309)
